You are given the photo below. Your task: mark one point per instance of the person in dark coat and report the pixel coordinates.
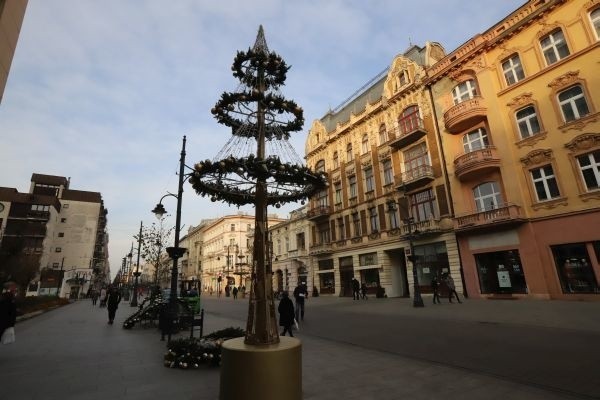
(355, 289)
(113, 298)
(300, 294)
(286, 314)
(8, 310)
(234, 291)
(435, 287)
(363, 291)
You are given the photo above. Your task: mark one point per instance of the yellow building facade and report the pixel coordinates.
(388, 197)
(518, 108)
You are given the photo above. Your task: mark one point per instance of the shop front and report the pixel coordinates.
(501, 272)
(326, 277)
(573, 262)
(368, 272)
(431, 260)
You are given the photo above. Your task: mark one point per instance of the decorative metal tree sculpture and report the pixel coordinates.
(261, 120)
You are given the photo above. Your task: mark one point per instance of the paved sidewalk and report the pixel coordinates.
(71, 353)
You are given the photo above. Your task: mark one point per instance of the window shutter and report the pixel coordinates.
(332, 224)
(381, 211)
(403, 208)
(442, 201)
(363, 221)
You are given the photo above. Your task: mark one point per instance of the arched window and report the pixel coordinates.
(383, 136)
(320, 167)
(464, 91)
(365, 144)
(573, 103)
(527, 121)
(409, 120)
(487, 196)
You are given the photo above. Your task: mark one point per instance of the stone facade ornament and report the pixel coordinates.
(564, 80)
(536, 157)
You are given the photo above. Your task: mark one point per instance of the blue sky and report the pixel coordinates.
(103, 91)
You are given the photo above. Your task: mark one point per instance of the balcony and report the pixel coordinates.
(465, 114)
(297, 253)
(415, 177)
(476, 163)
(503, 216)
(320, 248)
(428, 227)
(318, 212)
(410, 130)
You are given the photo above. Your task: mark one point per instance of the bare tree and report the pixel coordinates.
(155, 239)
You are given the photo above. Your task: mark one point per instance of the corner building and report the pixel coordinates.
(387, 186)
(518, 110)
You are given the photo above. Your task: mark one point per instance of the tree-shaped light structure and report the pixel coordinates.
(258, 166)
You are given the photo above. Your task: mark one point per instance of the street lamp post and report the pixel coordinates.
(174, 252)
(417, 299)
(134, 301)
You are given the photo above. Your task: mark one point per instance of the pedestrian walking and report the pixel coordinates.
(113, 298)
(435, 287)
(94, 297)
(451, 288)
(103, 297)
(300, 294)
(355, 289)
(286, 314)
(8, 315)
(234, 291)
(363, 291)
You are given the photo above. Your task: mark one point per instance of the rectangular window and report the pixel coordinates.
(369, 180)
(595, 18)
(232, 227)
(527, 121)
(464, 91)
(55, 265)
(383, 135)
(545, 184)
(374, 220)
(338, 193)
(349, 154)
(367, 259)
(422, 205)
(352, 186)
(573, 103)
(415, 160)
(513, 71)
(589, 165)
(322, 199)
(554, 46)
(61, 234)
(392, 210)
(356, 224)
(388, 175)
(58, 250)
(287, 244)
(63, 220)
(65, 205)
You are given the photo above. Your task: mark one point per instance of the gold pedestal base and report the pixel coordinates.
(270, 372)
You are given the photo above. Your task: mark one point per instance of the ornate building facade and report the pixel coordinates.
(388, 197)
(518, 110)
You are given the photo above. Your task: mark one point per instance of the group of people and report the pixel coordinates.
(288, 314)
(435, 287)
(359, 290)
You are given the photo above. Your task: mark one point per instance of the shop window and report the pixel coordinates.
(513, 70)
(431, 260)
(500, 272)
(527, 121)
(573, 104)
(367, 259)
(370, 277)
(464, 91)
(544, 182)
(574, 268)
(554, 47)
(589, 166)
